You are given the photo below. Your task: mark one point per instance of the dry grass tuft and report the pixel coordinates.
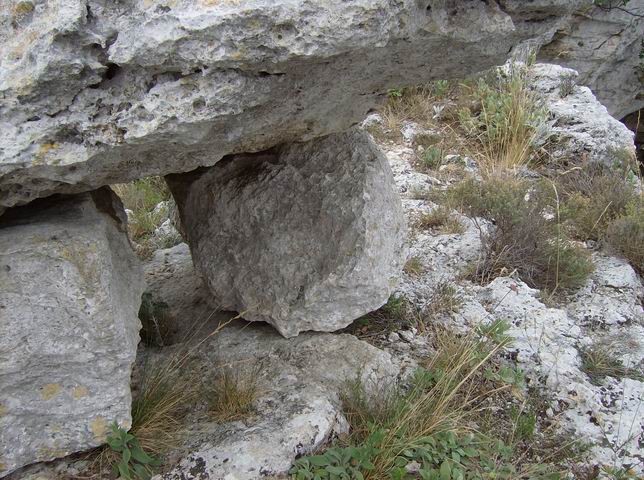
(599, 361)
(414, 267)
(440, 220)
(234, 393)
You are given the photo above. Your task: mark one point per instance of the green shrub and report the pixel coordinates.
(592, 197)
(507, 121)
(625, 235)
(527, 237)
(432, 158)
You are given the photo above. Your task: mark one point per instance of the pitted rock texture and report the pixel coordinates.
(70, 292)
(95, 92)
(581, 127)
(298, 408)
(307, 237)
(603, 44)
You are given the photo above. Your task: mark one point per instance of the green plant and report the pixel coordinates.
(133, 463)
(440, 88)
(625, 235)
(527, 236)
(432, 158)
(566, 85)
(421, 429)
(592, 197)
(338, 463)
(396, 307)
(508, 119)
(234, 394)
(443, 300)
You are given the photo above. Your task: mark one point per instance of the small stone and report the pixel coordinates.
(393, 337)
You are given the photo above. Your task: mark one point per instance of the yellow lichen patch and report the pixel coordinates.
(52, 452)
(79, 392)
(43, 150)
(98, 426)
(3, 467)
(3, 410)
(83, 258)
(50, 390)
(23, 8)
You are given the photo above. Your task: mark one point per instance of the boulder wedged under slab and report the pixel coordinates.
(309, 236)
(70, 289)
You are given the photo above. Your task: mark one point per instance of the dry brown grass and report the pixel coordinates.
(440, 220)
(234, 393)
(414, 267)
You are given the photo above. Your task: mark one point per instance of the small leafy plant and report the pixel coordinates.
(134, 463)
(338, 463)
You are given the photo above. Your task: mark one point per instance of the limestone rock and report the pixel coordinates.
(181, 297)
(306, 237)
(581, 126)
(298, 408)
(70, 291)
(95, 93)
(603, 44)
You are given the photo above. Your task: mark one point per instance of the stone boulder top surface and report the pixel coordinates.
(97, 92)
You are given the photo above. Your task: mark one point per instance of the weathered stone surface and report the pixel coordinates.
(298, 407)
(603, 44)
(581, 126)
(306, 237)
(94, 93)
(70, 288)
(184, 301)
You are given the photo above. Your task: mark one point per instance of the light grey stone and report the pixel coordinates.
(603, 44)
(298, 408)
(581, 126)
(94, 93)
(307, 237)
(70, 292)
(173, 284)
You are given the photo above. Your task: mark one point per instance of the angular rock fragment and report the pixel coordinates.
(306, 237)
(70, 289)
(581, 126)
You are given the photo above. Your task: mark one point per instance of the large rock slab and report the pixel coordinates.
(70, 291)
(94, 93)
(603, 43)
(297, 410)
(306, 237)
